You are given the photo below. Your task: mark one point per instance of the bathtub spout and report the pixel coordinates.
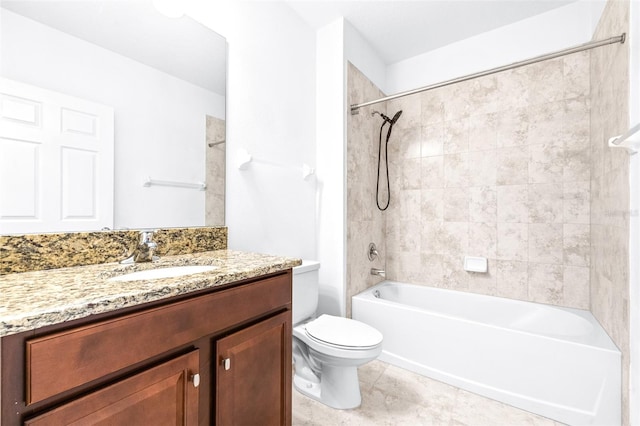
(379, 272)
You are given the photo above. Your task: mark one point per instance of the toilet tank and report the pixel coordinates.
(305, 290)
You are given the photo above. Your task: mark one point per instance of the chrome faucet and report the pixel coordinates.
(144, 251)
(379, 272)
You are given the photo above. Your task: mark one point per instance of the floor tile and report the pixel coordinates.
(394, 396)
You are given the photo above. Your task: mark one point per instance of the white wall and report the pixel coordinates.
(270, 113)
(360, 53)
(331, 154)
(142, 97)
(554, 30)
(634, 219)
(337, 43)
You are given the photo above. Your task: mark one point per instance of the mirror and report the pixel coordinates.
(165, 80)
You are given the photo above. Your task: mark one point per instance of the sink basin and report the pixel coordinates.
(154, 274)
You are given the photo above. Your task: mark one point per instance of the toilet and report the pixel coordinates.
(327, 350)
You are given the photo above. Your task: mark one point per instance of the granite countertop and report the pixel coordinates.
(30, 300)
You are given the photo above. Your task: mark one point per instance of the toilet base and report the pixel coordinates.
(338, 388)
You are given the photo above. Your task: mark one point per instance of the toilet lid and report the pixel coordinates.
(343, 332)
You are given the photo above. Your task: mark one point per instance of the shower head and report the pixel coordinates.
(391, 121)
(395, 117)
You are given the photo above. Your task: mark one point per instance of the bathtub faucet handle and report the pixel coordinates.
(373, 252)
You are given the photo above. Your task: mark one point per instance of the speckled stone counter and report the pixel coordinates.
(34, 252)
(30, 300)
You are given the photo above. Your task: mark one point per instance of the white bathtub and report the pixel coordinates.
(556, 362)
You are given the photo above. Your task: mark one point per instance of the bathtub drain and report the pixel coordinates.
(376, 294)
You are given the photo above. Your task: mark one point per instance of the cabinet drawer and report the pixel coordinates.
(62, 361)
(162, 395)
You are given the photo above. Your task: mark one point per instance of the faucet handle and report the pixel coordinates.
(373, 252)
(146, 237)
(147, 240)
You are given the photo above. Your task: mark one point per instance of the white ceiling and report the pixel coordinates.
(399, 30)
(396, 29)
(181, 47)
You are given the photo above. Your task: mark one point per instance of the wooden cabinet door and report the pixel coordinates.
(253, 379)
(162, 395)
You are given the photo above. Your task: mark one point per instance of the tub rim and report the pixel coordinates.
(597, 338)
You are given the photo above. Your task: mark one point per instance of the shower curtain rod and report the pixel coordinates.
(575, 49)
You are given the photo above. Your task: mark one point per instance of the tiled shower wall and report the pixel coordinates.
(513, 167)
(365, 223)
(610, 185)
(497, 167)
(215, 171)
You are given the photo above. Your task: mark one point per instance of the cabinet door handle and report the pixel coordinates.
(195, 378)
(226, 362)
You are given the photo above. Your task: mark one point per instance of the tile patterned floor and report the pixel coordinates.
(394, 396)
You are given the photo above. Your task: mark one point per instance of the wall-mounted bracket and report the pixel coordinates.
(630, 140)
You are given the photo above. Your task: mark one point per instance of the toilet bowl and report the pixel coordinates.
(327, 350)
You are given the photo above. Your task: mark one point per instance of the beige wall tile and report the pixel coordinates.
(408, 201)
(456, 136)
(458, 102)
(514, 90)
(432, 139)
(577, 166)
(575, 289)
(484, 96)
(432, 201)
(576, 82)
(513, 241)
(546, 163)
(513, 127)
(456, 205)
(431, 237)
(365, 223)
(512, 165)
(483, 204)
(456, 170)
(545, 203)
(576, 202)
(432, 269)
(512, 279)
(545, 81)
(545, 123)
(432, 172)
(455, 238)
(411, 174)
(432, 105)
(545, 243)
(545, 283)
(453, 274)
(483, 240)
(404, 143)
(577, 244)
(483, 131)
(609, 172)
(482, 168)
(512, 202)
(409, 234)
(576, 127)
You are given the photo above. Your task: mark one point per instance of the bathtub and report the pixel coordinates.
(552, 361)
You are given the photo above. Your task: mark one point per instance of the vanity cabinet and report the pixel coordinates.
(221, 356)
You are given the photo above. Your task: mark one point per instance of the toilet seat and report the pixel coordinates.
(343, 333)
